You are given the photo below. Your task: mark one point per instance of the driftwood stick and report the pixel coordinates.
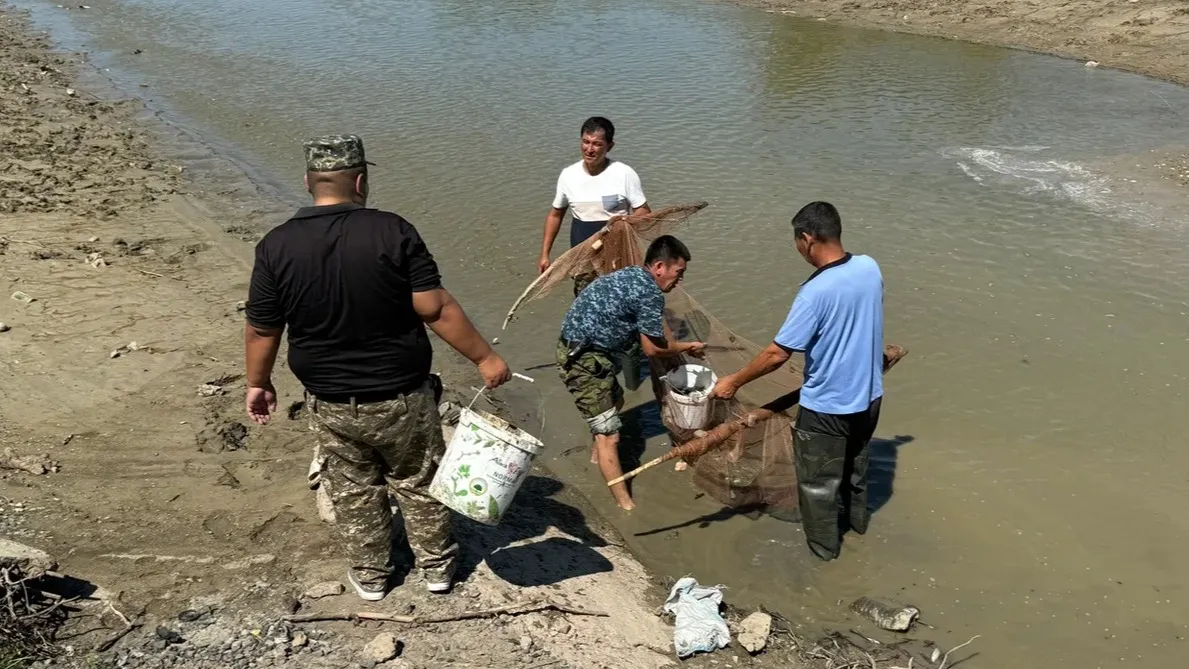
(713, 438)
(945, 660)
(511, 609)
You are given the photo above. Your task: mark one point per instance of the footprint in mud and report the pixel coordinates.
(230, 436)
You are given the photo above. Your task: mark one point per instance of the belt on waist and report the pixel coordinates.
(373, 397)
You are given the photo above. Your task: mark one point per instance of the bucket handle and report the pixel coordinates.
(515, 375)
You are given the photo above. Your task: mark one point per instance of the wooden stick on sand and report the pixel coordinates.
(713, 438)
(519, 608)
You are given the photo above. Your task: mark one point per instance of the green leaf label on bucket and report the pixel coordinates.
(485, 463)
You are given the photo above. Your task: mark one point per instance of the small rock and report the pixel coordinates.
(562, 626)
(1091, 64)
(327, 589)
(299, 640)
(128, 348)
(92, 239)
(70, 91)
(167, 635)
(209, 390)
(4, 327)
(526, 642)
(241, 305)
(189, 615)
(23, 297)
(382, 648)
(891, 617)
(754, 630)
(32, 563)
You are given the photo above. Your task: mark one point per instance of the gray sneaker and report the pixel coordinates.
(369, 593)
(439, 582)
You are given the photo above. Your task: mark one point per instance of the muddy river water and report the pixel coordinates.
(1032, 473)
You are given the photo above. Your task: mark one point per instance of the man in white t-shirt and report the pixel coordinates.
(594, 189)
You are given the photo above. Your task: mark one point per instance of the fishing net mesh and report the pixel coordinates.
(752, 466)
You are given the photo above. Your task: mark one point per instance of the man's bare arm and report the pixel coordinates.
(767, 361)
(656, 347)
(444, 315)
(260, 354)
(552, 228)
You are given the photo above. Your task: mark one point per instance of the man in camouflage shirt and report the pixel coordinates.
(606, 318)
(356, 287)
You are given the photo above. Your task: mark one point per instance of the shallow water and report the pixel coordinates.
(1030, 456)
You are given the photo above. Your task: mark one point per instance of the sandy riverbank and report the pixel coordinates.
(1146, 36)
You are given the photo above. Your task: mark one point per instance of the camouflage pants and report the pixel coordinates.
(591, 381)
(369, 448)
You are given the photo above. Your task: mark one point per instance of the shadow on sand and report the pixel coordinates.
(509, 549)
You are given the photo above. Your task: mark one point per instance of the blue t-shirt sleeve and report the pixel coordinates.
(801, 326)
(650, 314)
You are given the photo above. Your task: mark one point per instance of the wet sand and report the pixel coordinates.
(1148, 37)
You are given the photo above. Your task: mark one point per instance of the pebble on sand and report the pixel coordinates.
(4, 327)
(382, 648)
(327, 589)
(754, 630)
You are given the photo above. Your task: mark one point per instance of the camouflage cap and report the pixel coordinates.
(334, 152)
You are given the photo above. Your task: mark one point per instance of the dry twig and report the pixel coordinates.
(511, 609)
(128, 627)
(946, 658)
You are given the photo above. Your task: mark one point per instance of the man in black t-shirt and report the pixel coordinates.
(356, 287)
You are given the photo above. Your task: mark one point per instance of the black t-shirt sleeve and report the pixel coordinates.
(264, 303)
(423, 270)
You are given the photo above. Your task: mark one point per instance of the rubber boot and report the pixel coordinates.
(855, 500)
(819, 461)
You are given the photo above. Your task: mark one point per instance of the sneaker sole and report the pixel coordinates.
(439, 588)
(366, 595)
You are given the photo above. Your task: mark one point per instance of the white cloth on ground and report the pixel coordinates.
(699, 627)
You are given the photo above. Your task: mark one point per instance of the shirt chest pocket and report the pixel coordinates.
(615, 203)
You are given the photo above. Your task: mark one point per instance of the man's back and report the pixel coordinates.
(613, 310)
(837, 320)
(342, 279)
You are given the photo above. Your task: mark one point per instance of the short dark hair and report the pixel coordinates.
(667, 249)
(598, 123)
(819, 220)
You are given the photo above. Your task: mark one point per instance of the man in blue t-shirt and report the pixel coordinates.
(837, 322)
(610, 315)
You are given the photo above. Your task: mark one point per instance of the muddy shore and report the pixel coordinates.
(1144, 36)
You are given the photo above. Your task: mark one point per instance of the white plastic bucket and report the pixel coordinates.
(689, 389)
(485, 462)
